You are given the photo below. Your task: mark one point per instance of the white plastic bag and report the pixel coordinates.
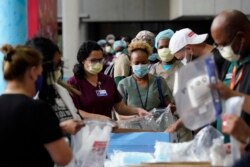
(90, 143)
(195, 150)
(233, 106)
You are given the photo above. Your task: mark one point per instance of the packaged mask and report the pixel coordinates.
(140, 70)
(95, 68)
(165, 55)
(197, 104)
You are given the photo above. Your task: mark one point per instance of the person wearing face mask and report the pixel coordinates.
(53, 90)
(98, 91)
(108, 56)
(166, 68)
(30, 132)
(110, 38)
(168, 63)
(186, 45)
(231, 32)
(141, 89)
(121, 61)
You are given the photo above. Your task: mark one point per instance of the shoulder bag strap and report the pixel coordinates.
(158, 81)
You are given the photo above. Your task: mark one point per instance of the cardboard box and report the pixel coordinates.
(175, 164)
(124, 130)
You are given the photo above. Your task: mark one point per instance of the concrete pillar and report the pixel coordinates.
(13, 27)
(83, 32)
(70, 29)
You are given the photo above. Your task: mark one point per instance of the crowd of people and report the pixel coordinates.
(120, 76)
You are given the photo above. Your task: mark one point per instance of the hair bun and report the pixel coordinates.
(8, 51)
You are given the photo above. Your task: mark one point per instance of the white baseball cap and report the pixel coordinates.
(184, 37)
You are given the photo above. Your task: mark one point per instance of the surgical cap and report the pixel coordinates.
(166, 34)
(102, 42)
(153, 57)
(146, 36)
(119, 43)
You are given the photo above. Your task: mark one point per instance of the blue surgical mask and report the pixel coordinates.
(166, 67)
(140, 70)
(38, 83)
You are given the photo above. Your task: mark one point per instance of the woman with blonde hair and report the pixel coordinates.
(30, 132)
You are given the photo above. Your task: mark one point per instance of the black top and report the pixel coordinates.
(243, 86)
(219, 61)
(25, 126)
(244, 161)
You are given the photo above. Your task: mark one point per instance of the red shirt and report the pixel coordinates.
(89, 101)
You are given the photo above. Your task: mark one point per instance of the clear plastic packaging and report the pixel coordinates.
(89, 144)
(217, 152)
(163, 117)
(143, 123)
(195, 150)
(197, 104)
(160, 119)
(233, 106)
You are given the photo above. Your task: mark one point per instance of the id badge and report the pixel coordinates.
(101, 93)
(228, 75)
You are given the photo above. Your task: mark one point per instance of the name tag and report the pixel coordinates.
(101, 93)
(229, 76)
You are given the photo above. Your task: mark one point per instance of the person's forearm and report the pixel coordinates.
(246, 104)
(179, 123)
(123, 109)
(85, 115)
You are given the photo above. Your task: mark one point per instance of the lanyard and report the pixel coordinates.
(138, 91)
(233, 81)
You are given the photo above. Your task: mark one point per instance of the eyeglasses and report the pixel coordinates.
(101, 60)
(221, 47)
(59, 65)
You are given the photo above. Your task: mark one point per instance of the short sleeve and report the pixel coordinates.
(122, 90)
(46, 123)
(72, 81)
(166, 91)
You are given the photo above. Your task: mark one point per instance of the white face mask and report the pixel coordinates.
(165, 54)
(228, 53)
(54, 77)
(108, 49)
(111, 41)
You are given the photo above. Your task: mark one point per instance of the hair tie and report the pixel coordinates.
(7, 57)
